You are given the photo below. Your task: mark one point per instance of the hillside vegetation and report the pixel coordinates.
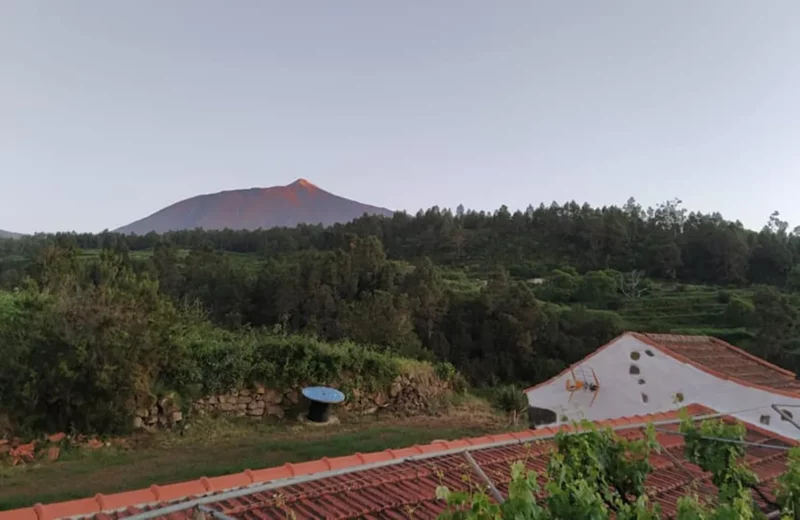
(8, 234)
(83, 354)
(505, 298)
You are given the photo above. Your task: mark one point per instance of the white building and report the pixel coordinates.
(649, 373)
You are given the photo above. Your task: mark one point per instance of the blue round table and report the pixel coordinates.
(321, 399)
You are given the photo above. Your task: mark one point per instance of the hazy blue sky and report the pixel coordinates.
(110, 110)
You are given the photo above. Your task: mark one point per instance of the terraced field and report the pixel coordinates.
(686, 309)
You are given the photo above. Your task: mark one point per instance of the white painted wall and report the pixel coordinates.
(620, 393)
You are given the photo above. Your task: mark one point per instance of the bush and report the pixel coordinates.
(448, 373)
(599, 288)
(81, 357)
(724, 297)
(215, 361)
(292, 360)
(218, 361)
(511, 400)
(561, 287)
(739, 313)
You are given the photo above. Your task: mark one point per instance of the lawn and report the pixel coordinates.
(218, 447)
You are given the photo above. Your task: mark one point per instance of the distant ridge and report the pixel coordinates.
(301, 202)
(9, 234)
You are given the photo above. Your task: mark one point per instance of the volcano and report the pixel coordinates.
(300, 202)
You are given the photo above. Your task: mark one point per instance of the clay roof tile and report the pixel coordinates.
(406, 480)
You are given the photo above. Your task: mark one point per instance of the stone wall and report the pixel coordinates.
(161, 412)
(408, 394)
(257, 402)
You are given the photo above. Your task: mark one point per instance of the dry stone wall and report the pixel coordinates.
(408, 394)
(258, 402)
(163, 412)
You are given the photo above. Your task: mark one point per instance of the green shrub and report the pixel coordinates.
(511, 400)
(448, 373)
(218, 360)
(560, 287)
(724, 296)
(291, 360)
(80, 357)
(215, 360)
(739, 312)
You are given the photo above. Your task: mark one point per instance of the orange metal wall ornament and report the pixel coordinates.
(583, 381)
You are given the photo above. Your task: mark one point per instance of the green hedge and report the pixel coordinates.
(217, 360)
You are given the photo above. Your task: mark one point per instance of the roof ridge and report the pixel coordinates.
(213, 485)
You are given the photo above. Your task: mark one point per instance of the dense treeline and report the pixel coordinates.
(663, 242)
(382, 282)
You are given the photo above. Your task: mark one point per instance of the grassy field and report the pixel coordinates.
(219, 447)
(462, 281)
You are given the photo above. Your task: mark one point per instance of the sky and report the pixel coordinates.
(110, 111)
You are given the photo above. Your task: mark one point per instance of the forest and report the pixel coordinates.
(502, 297)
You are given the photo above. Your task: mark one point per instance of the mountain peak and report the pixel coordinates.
(300, 202)
(303, 183)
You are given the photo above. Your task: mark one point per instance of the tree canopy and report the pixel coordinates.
(507, 298)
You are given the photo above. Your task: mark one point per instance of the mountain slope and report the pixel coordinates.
(9, 234)
(298, 203)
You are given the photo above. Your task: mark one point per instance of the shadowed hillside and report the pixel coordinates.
(298, 203)
(8, 234)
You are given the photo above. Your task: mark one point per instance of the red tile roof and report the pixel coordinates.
(399, 483)
(714, 357)
(723, 360)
